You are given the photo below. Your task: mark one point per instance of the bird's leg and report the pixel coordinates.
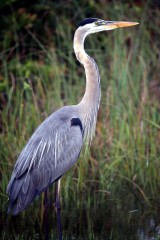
(57, 194)
(58, 207)
(45, 214)
(46, 200)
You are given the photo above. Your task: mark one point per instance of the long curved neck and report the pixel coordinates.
(89, 104)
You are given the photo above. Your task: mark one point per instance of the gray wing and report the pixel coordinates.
(50, 152)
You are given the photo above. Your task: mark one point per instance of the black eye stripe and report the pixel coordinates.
(87, 21)
(101, 22)
(98, 22)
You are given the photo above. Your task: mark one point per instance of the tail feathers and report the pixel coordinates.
(19, 196)
(12, 208)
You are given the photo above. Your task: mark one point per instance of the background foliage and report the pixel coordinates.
(39, 73)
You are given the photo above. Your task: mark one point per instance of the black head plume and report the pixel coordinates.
(87, 21)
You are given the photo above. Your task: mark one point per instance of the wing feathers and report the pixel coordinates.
(50, 152)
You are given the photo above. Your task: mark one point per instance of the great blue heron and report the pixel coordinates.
(56, 144)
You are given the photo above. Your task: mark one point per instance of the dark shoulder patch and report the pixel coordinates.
(87, 21)
(76, 122)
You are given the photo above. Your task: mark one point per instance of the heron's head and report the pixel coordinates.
(93, 25)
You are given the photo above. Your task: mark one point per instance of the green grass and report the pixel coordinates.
(125, 151)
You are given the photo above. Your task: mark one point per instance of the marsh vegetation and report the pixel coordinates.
(120, 172)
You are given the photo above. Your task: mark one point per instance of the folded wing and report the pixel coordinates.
(50, 152)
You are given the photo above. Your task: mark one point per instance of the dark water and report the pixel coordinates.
(114, 219)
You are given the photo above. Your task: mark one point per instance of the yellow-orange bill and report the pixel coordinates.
(119, 24)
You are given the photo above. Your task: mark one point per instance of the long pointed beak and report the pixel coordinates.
(119, 24)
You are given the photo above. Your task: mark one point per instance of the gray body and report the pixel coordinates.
(56, 144)
(50, 152)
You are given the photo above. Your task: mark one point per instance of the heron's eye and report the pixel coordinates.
(99, 23)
